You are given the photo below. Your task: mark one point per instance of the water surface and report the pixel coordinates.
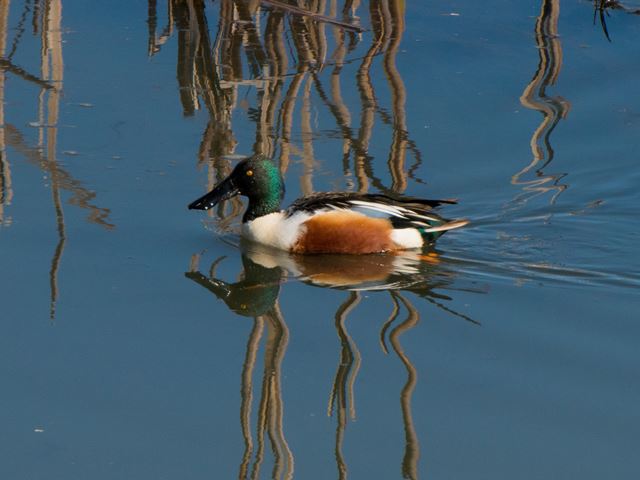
(141, 340)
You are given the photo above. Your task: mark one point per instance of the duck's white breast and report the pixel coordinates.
(276, 229)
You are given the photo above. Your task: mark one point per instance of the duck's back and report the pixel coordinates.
(348, 200)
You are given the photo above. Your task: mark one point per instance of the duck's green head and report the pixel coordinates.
(257, 178)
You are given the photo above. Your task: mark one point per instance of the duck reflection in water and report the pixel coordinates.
(256, 295)
(252, 296)
(265, 268)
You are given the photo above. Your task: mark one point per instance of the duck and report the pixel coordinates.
(330, 222)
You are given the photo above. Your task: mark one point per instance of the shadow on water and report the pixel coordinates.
(47, 24)
(256, 295)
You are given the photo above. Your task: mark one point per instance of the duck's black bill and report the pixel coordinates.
(223, 191)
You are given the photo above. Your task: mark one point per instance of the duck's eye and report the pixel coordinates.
(249, 173)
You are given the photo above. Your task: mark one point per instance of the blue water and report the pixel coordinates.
(141, 340)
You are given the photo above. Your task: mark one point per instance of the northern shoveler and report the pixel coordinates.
(346, 222)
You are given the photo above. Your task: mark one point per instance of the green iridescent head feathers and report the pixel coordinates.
(257, 178)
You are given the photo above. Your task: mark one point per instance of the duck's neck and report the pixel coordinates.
(261, 206)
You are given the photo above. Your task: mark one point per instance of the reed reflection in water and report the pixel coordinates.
(47, 24)
(6, 191)
(532, 178)
(291, 56)
(256, 295)
(601, 10)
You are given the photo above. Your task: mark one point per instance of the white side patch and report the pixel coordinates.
(275, 229)
(407, 237)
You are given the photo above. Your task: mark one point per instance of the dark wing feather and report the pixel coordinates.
(402, 212)
(319, 201)
(324, 200)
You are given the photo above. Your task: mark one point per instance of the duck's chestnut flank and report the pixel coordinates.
(345, 232)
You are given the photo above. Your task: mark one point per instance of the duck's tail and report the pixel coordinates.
(430, 234)
(446, 226)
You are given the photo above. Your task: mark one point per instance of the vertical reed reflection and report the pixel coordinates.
(246, 393)
(339, 55)
(412, 445)
(256, 295)
(367, 97)
(342, 391)
(52, 71)
(553, 109)
(6, 192)
(394, 15)
(306, 179)
(278, 62)
(271, 408)
(47, 23)
(156, 41)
